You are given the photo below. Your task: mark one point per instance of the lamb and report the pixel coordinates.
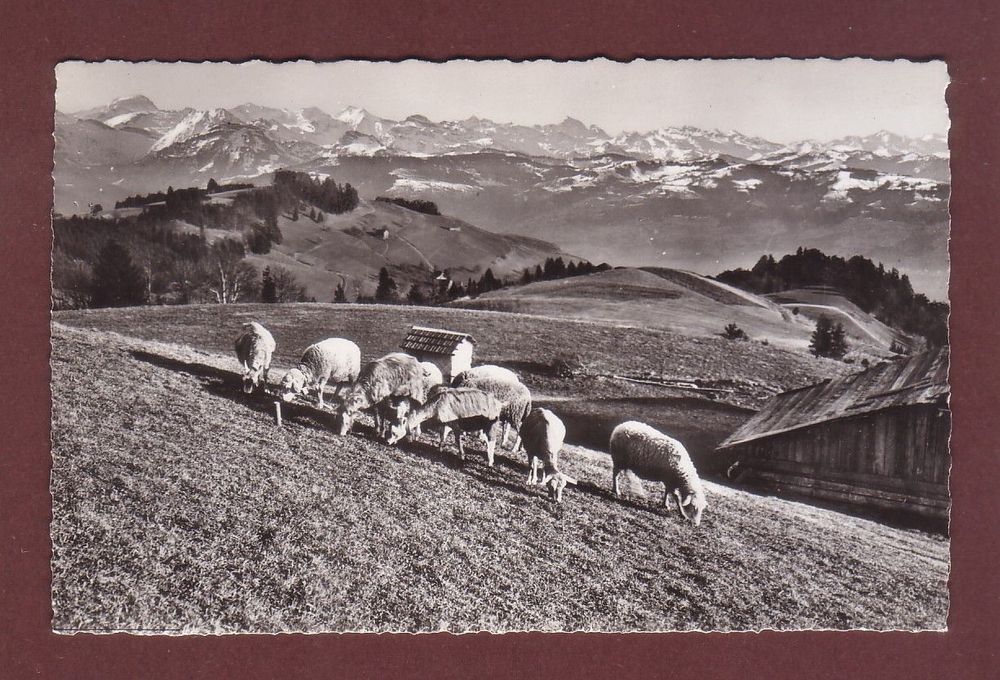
(334, 359)
(503, 384)
(253, 350)
(463, 409)
(652, 455)
(543, 434)
(394, 375)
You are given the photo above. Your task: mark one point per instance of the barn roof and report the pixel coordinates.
(434, 340)
(918, 379)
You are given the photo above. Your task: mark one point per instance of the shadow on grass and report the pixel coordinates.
(227, 384)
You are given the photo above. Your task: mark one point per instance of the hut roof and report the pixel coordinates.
(918, 379)
(434, 340)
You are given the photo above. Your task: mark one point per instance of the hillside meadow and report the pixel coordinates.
(179, 507)
(527, 342)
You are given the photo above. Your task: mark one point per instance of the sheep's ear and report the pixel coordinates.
(570, 480)
(545, 479)
(687, 500)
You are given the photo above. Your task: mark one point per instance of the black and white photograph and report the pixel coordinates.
(497, 346)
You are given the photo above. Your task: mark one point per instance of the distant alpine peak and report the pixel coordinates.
(134, 103)
(193, 124)
(352, 115)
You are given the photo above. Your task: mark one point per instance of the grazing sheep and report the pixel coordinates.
(463, 409)
(652, 455)
(253, 350)
(333, 360)
(432, 375)
(543, 434)
(503, 384)
(394, 375)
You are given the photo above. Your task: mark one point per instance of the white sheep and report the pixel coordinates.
(394, 375)
(543, 434)
(333, 360)
(432, 375)
(254, 349)
(503, 384)
(395, 409)
(462, 409)
(654, 456)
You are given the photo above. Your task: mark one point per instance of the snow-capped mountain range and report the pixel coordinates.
(608, 197)
(418, 136)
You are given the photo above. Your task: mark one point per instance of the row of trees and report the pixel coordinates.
(884, 293)
(326, 195)
(419, 205)
(389, 291)
(222, 276)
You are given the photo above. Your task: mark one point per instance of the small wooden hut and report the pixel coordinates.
(878, 438)
(448, 350)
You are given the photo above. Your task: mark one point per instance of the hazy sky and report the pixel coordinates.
(779, 99)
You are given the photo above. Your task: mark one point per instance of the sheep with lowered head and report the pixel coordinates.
(253, 350)
(543, 434)
(333, 360)
(654, 456)
(394, 375)
(503, 384)
(395, 409)
(462, 409)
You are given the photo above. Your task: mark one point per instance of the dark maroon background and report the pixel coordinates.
(33, 37)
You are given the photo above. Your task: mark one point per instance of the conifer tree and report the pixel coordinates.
(268, 291)
(117, 281)
(387, 289)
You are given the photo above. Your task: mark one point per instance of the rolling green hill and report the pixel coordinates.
(673, 300)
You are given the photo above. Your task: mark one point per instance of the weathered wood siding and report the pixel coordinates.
(896, 458)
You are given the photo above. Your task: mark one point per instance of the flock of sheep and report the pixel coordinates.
(403, 393)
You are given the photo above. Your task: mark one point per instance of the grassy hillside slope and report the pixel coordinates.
(859, 325)
(528, 343)
(179, 506)
(672, 300)
(350, 248)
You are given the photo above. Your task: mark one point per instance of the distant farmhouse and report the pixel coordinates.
(876, 439)
(448, 350)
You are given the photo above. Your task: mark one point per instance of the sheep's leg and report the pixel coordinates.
(615, 489)
(458, 441)
(680, 507)
(444, 435)
(531, 469)
(490, 445)
(319, 391)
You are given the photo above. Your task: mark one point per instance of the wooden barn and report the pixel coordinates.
(448, 350)
(875, 439)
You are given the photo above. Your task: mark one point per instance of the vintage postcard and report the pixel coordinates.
(658, 345)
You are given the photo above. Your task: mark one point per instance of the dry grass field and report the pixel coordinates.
(178, 505)
(528, 343)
